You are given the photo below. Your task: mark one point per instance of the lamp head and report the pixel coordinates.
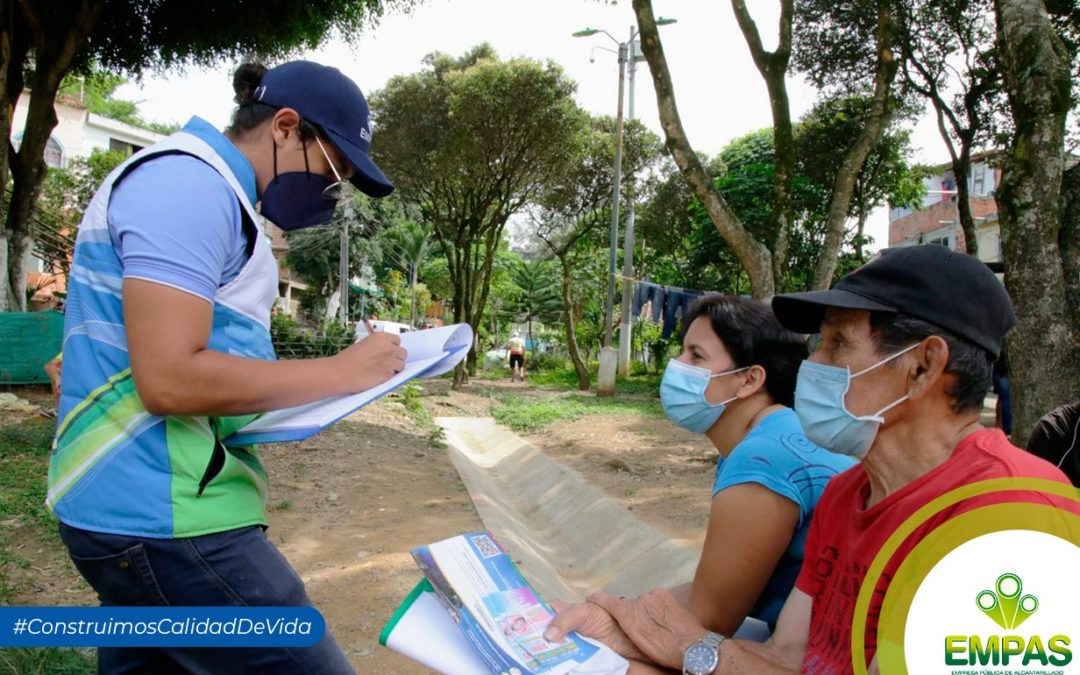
(586, 32)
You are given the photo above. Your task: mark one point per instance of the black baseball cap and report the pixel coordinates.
(951, 290)
(326, 97)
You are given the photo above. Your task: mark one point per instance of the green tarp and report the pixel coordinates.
(27, 341)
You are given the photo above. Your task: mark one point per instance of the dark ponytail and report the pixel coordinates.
(249, 112)
(246, 80)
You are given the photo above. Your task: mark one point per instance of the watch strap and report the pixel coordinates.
(714, 640)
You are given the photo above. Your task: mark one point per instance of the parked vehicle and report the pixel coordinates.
(381, 327)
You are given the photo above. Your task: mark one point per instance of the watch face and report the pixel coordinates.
(699, 659)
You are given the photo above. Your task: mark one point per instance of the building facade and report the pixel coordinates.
(938, 220)
(77, 134)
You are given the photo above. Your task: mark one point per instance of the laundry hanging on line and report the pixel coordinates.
(668, 302)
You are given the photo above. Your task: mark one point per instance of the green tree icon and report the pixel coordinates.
(1007, 605)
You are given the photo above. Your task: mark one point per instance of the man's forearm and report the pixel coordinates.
(739, 657)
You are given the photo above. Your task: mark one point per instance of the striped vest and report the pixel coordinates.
(116, 468)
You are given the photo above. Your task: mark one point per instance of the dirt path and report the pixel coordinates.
(347, 505)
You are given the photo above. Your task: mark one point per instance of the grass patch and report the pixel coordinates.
(639, 384)
(24, 463)
(411, 396)
(25, 661)
(528, 414)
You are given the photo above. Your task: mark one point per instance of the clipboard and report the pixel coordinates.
(430, 352)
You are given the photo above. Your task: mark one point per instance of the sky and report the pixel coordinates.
(720, 93)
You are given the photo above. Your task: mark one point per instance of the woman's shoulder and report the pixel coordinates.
(781, 436)
(780, 457)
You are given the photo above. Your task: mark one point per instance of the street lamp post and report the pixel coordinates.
(606, 381)
(625, 333)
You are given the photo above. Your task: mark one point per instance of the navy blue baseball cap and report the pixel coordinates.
(326, 97)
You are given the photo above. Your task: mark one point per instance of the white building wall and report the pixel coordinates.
(79, 132)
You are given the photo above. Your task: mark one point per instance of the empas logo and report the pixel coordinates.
(1008, 607)
(1005, 606)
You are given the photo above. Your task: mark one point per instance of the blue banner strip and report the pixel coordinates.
(160, 626)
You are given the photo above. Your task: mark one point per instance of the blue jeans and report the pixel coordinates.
(234, 568)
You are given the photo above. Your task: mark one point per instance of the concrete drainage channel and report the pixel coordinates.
(568, 537)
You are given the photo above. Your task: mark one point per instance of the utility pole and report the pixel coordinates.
(625, 333)
(344, 272)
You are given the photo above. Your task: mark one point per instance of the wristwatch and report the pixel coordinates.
(702, 657)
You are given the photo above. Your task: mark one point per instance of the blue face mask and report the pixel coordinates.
(819, 403)
(682, 392)
(295, 200)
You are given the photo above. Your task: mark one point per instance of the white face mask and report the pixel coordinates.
(819, 403)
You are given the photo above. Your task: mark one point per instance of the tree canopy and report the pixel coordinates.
(472, 140)
(44, 40)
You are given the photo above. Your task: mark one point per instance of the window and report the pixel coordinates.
(54, 154)
(978, 180)
(116, 145)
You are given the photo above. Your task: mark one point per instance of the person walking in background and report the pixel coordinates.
(517, 357)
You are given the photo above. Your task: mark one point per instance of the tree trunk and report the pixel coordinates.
(877, 118)
(961, 171)
(54, 48)
(773, 68)
(11, 59)
(1069, 237)
(568, 320)
(412, 300)
(1044, 348)
(753, 255)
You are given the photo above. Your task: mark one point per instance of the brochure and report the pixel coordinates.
(494, 612)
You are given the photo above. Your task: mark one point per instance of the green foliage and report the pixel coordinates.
(315, 253)
(407, 245)
(68, 191)
(536, 294)
(471, 140)
(293, 342)
(97, 88)
(531, 414)
(133, 35)
(540, 362)
(47, 660)
(411, 398)
(24, 463)
(685, 249)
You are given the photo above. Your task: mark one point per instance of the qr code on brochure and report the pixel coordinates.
(486, 547)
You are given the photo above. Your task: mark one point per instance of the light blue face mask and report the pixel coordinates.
(682, 392)
(819, 403)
